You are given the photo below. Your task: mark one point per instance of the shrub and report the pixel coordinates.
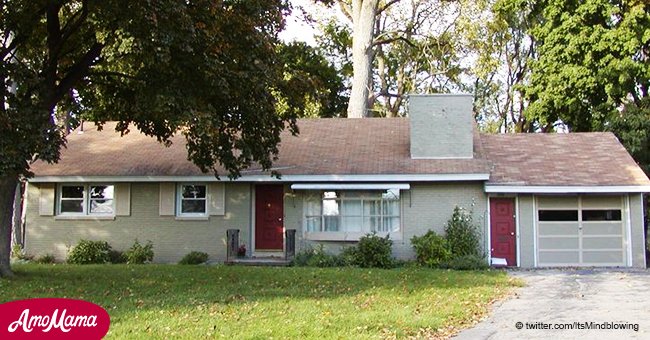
(17, 253)
(462, 234)
(348, 256)
(89, 252)
(116, 256)
(316, 257)
(195, 257)
(373, 251)
(139, 254)
(46, 259)
(431, 249)
(466, 262)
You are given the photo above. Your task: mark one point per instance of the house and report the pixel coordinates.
(540, 199)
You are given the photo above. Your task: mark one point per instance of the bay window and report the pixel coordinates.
(352, 211)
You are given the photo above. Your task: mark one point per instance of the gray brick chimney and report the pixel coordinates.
(441, 126)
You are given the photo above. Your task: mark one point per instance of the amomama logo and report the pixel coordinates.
(52, 318)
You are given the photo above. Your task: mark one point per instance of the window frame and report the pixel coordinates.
(362, 199)
(179, 200)
(86, 200)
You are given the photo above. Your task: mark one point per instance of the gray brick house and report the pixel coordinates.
(541, 200)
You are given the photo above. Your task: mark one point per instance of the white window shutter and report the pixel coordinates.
(123, 199)
(46, 199)
(167, 199)
(217, 202)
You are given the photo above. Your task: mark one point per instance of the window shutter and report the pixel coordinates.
(167, 199)
(46, 199)
(217, 201)
(123, 199)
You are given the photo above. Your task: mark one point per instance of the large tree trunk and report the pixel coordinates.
(363, 21)
(7, 191)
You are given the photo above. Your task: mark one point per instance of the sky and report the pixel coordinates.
(296, 29)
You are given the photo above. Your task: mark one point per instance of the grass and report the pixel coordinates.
(169, 301)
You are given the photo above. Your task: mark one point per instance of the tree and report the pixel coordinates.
(362, 13)
(414, 46)
(593, 57)
(208, 69)
(504, 49)
(309, 73)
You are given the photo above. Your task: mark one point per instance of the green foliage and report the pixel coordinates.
(591, 59)
(194, 257)
(431, 249)
(17, 253)
(90, 252)
(348, 256)
(316, 257)
(139, 254)
(632, 127)
(466, 262)
(116, 256)
(310, 74)
(45, 259)
(373, 251)
(462, 234)
(153, 65)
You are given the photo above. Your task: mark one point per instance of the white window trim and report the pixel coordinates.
(86, 201)
(179, 199)
(349, 235)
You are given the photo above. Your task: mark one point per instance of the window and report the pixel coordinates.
(82, 199)
(601, 215)
(558, 215)
(192, 200)
(353, 211)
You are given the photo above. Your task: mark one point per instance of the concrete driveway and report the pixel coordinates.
(569, 302)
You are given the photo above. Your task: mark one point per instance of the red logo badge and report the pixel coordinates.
(53, 318)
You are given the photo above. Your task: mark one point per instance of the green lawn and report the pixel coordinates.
(171, 301)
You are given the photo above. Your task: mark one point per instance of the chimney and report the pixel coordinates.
(441, 126)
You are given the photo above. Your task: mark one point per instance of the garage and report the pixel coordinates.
(581, 230)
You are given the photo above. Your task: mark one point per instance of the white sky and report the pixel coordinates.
(296, 29)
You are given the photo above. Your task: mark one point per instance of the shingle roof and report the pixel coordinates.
(576, 159)
(323, 147)
(368, 147)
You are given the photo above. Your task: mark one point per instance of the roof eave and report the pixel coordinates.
(569, 189)
(268, 178)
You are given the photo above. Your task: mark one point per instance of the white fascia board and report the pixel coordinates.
(268, 178)
(337, 186)
(522, 189)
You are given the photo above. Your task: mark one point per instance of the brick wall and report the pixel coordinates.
(172, 238)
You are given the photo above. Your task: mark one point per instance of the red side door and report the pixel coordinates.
(269, 217)
(502, 229)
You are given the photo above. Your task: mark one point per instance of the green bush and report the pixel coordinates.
(195, 257)
(116, 256)
(462, 234)
(17, 253)
(139, 254)
(431, 249)
(466, 262)
(316, 257)
(90, 252)
(348, 256)
(373, 251)
(46, 259)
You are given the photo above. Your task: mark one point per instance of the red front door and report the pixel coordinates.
(502, 233)
(269, 216)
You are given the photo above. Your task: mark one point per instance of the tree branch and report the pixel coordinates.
(77, 71)
(385, 7)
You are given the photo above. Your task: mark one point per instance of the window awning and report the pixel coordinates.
(341, 186)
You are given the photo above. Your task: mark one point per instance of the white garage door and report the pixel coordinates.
(580, 231)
